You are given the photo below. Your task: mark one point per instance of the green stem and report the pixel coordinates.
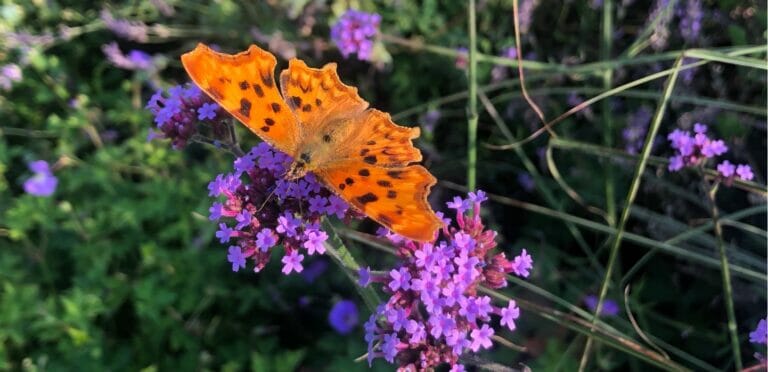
(726, 273)
(634, 187)
(340, 254)
(605, 54)
(472, 104)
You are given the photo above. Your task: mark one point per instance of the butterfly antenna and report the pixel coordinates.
(269, 197)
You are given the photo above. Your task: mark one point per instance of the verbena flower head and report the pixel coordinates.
(134, 60)
(610, 307)
(179, 110)
(354, 32)
(760, 334)
(435, 312)
(343, 316)
(261, 210)
(9, 74)
(43, 182)
(662, 15)
(693, 149)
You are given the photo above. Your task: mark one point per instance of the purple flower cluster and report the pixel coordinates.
(134, 60)
(695, 148)
(435, 312)
(177, 114)
(266, 210)
(43, 183)
(354, 33)
(662, 15)
(9, 74)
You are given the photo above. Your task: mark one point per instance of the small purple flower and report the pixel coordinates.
(317, 204)
(243, 219)
(400, 279)
(353, 33)
(477, 197)
(459, 204)
(43, 182)
(337, 206)
(364, 276)
(726, 169)
(389, 347)
(610, 307)
(522, 264)
(509, 314)
(215, 210)
(690, 21)
(207, 111)
(481, 338)
(760, 334)
(236, 257)
(292, 262)
(314, 241)
(287, 224)
(343, 316)
(224, 233)
(266, 239)
(744, 172)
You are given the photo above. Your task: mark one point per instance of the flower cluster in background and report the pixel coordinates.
(177, 114)
(435, 312)
(637, 126)
(43, 182)
(9, 74)
(696, 148)
(262, 210)
(354, 32)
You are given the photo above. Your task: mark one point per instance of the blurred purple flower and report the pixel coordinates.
(314, 270)
(135, 60)
(525, 181)
(292, 262)
(744, 172)
(760, 334)
(343, 316)
(637, 126)
(661, 15)
(353, 33)
(9, 74)
(43, 182)
(690, 20)
(430, 119)
(462, 60)
(610, 307)
(525, 14)
(131, 30)
(235, 256)
(726, 169)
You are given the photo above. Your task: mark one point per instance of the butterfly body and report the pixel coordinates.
(357, 152)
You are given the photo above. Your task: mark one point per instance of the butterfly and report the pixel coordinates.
(359, 153)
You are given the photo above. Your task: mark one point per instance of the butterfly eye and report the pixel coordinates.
(305, 157)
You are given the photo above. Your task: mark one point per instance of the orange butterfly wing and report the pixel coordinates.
(317, 96)
(377, 179)
(244, 85)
